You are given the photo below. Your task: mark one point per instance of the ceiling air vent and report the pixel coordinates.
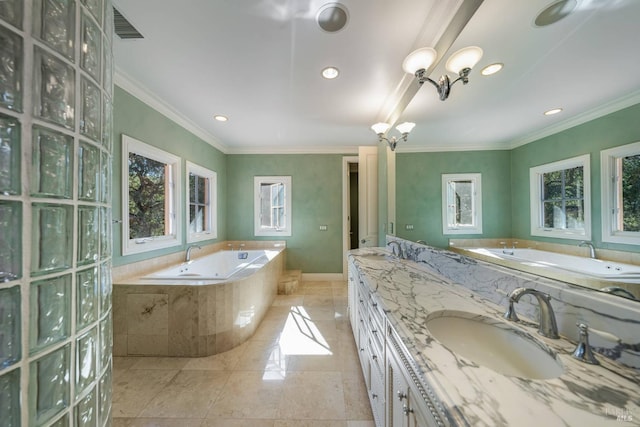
(123, 28)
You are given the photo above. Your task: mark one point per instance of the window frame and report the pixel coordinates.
(174, 238)
(211, 218)
(536, 205)
(258, 181)
(609, 197)
(447, 227)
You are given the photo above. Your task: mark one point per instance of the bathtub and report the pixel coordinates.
(216, 266)
(198, 308)
(594, 268)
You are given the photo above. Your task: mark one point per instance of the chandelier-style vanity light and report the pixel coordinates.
(381, 128)
(460, 63)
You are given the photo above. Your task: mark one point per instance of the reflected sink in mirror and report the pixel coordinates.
(494, 344)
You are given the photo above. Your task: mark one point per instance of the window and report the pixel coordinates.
(150, 216)
(560, 199)
(201, 203)
(621, 194)
(272, 205)
(462, 203)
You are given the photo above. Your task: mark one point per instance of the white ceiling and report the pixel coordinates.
(259, 62)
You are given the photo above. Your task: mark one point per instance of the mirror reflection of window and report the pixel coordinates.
(462, 204)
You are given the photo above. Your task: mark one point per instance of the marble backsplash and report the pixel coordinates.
(571, 304)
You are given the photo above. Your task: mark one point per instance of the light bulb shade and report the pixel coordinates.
(380, 128)
(419, 59)
(466, 57)
(405, 127)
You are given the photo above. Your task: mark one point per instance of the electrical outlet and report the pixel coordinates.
(408, 227)
(324, 227)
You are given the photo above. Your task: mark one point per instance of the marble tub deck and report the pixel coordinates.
(300, 368)
(472, 395)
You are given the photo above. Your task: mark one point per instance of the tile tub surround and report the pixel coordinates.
(477, 396)
(193, 320)
(571, 304)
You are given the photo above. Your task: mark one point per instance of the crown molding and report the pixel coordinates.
(407, 148)
(140, 91)
(348, 150)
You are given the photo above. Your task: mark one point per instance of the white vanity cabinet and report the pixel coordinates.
(395, 399)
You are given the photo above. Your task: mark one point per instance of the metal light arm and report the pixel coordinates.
(393, 142)
(443, 85)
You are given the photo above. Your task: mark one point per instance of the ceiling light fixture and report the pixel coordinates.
(491, 69)
(220, 118)
(381, 128)
(330, 73)
(460, 63)
(552, 111)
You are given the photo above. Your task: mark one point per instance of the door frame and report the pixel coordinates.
(346, 198)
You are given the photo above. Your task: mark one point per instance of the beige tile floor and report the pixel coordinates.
(300, 369)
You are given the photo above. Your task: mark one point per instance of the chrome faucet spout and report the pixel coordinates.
(187, 257)
(592, 249)
(547, 326)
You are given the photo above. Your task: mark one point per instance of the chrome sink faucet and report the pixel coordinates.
(187, 257)
(547, 326)
(592, 249)
(395, 243)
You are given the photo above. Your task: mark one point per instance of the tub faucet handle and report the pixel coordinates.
(504, 245)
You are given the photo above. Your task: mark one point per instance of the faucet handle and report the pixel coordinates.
(583, 350)
(504, 245)
(514, 245)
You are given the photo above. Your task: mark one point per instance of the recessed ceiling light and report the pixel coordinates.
(555, 12)
(552, 111)
(220, 118)
(332, 17)
(330, 73)
(491, 69)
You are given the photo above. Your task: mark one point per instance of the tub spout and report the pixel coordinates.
(187, 257)
(592, 249)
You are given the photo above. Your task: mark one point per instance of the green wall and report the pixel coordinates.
(136, 119)
(615, 129)
(316, 181)
(419, 193)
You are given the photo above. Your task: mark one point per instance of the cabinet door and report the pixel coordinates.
(398, 394)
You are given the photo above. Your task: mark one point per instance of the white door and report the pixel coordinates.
(368, 196)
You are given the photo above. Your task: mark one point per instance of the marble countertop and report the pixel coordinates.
(584, 395)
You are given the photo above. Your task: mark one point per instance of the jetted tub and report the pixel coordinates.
(198, 308)
(595, 268)
(216, 266)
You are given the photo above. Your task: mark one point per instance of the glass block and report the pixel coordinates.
(50, 312)
(10, 240)
(106, 342)
(107, 27)
(54, 23)
(86, 360)
(51, 234)
(11, 12)
(63, 421)
(10, 327)
(10, 398)
(85, 411)
(87, 297)
(107, 124)
(107, 60)
(88, 234)
(88, 171)
(105, 233)
(91, 53)
(9, 154)
(105, 178)
(53, 89)
(104, 402)
(95, 7)
(52, 159)
(10, 70)
(49, 385)
(91, 110)
(106, 287)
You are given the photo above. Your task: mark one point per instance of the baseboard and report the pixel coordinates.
(322, 277)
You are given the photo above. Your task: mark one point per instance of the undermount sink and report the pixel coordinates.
(494, 344)
(375, 257)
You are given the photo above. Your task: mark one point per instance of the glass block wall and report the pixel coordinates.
(56, 86)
